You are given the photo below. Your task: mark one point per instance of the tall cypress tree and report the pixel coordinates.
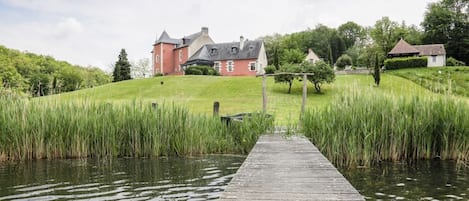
(121, 68)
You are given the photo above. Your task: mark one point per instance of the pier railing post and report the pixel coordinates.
(216, 108)
(305, 93)
(264, 93)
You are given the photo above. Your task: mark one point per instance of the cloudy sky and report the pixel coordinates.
(92, 32)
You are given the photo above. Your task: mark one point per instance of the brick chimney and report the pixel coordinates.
(204, 30)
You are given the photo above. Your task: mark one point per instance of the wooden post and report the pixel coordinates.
(154, 105)
(305, 93)
(264, 93)
(216, 108)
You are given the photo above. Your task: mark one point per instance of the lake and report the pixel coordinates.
(197, 178)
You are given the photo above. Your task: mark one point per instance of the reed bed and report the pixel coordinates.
(32, 129)
(360, 128)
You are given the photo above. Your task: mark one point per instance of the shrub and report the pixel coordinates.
(270, 69)
(405, 62)
(454, 62)
(200, 70)
(344, 60)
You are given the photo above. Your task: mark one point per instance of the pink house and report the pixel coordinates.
(243, 58)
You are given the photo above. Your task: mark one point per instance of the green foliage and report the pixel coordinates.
(323, 73)
(405, 62)
(443, 80)
(454, 62)
(354, 53)
(384, 34)
(121, 68)
(200, 70)
(292, 56)
(344, 60)
(366, 127)
(76, 129)
(287, 78)
(351, 33)
(368, 56)
(270, 69)
(447, 22)
(37, 75)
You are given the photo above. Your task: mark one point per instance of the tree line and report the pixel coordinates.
(445, 22)
(28, 74)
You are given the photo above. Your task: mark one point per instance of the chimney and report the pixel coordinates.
(204, 30)
(241, 42)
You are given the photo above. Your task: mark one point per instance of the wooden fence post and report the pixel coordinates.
(264, 93)
(305, 93)
(216, 108)
(154, 105)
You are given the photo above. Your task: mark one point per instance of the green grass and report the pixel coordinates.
(444, 80)
(235, 94)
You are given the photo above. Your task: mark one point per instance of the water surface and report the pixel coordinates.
(427, 180)
(198, 178)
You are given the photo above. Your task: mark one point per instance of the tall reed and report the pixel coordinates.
(33, 129)
(365, 127)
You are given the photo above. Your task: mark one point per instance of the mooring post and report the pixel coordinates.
(264, 93)
(305, 93)
(216, 108)
(154, 105)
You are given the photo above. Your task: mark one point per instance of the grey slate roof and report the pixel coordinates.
(228, 51)
(164, 38)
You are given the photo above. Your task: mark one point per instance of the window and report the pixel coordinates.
(433, 59)
(180, 55)
(252, 66)
(157, 58)
(213, 51)
(216, 66)
(230, 66)
(234, 50)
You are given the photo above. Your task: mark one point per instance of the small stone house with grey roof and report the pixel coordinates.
(243, 58)
(436, 53)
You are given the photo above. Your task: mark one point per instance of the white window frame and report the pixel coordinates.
(255, 66)
(217, 66)
(230, 64)
(180, 55)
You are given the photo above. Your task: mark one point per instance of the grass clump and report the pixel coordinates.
(31, 129)
(362, 128)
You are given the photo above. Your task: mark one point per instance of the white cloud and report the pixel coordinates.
(67, 27)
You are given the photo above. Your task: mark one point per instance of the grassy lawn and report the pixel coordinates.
(454, 80)
(236, 94)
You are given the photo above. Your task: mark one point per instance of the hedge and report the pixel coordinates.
(200, 70)
(405, 62)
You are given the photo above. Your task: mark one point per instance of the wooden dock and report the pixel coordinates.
(288, 168)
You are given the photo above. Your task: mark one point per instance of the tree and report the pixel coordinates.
(292, 56)
(323, 73)
(447, 22)
(121, 68)
(287, 78)
(385, 34)
(351, 33)
(344, 60)
(376, 74)
(141, 68)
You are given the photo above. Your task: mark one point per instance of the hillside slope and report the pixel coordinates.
(235, 94)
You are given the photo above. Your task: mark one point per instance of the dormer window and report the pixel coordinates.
(234, 50)
(251, 47)
(213, 51)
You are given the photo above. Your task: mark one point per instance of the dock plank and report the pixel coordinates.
(288, 168)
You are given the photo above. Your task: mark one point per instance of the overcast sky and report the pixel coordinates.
(92, 32)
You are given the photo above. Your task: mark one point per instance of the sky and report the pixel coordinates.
(92, 32)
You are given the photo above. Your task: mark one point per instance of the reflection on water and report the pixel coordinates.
(199, 178)
(428, 180)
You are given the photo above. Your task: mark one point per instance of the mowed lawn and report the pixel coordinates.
(237, 94)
